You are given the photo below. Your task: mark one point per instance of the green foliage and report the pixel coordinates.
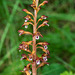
(67, 73)
(60, 34)
(53, 69)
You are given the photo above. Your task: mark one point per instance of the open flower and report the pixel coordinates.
(26, 24)
(30, 56)
(37, 60)
(26, 69)
(42, 17)
(37, 34)
(24, 48)
(24, 32)
(44, 57)
(24, 56)
(44, 44)
(28, 18)
(25, 10)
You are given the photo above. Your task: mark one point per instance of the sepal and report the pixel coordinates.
(24, 32)
(43, 43)
(27, 43)
(43, 24)
(25, 10)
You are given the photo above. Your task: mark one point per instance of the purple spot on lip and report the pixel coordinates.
(45, 47)
(37, 37)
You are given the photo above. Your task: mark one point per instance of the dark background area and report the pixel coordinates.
(60, 34)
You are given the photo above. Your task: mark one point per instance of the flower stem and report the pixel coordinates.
(34, 70)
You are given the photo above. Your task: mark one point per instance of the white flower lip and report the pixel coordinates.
(37, 62)
(26, 26)
(37, 37)
(30, 72)
(25, 49)
(25, 20)
(44, 17)
(45, 58)
(30, 59)
(45, 47)
(20, 34)
(22, 58)
(19, 50)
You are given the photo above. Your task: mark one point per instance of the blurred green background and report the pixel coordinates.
(60, 34)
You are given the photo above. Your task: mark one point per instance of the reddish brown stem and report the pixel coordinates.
(34, 70)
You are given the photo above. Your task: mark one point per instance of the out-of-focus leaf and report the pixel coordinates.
(67, 73)
(53, 69)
